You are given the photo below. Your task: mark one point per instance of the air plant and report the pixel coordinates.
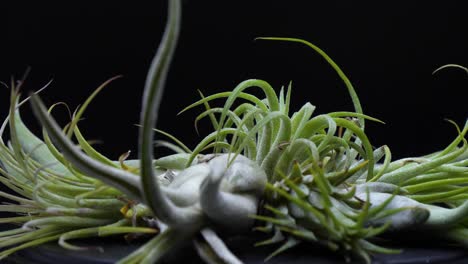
(299, 177)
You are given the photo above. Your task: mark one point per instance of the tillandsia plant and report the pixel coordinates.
(298, 177)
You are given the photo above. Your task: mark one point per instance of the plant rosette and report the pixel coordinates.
(298, 178)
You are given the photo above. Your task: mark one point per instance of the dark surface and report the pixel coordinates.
(113, 251)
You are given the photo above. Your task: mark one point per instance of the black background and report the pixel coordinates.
(388, 50)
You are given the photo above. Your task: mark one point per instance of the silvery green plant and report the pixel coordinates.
(299, 177)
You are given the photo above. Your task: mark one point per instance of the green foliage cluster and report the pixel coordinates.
(298, 177)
